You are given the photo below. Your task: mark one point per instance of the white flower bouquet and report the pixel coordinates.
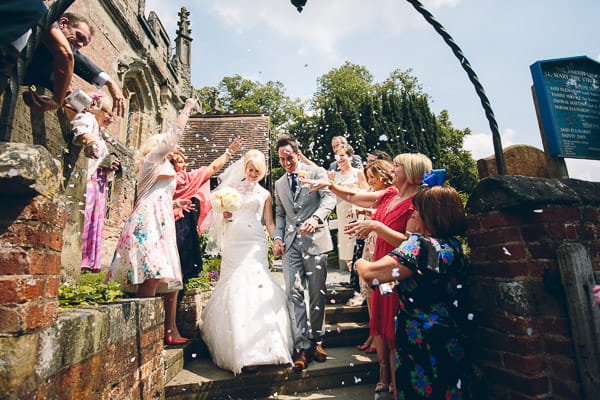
(226, 199)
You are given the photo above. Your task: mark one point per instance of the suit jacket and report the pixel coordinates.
(39, 72)
(291, 210)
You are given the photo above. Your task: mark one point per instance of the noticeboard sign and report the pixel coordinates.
(568, 98)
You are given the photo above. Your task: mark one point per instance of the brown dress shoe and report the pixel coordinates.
(318, 354)
(300, 360)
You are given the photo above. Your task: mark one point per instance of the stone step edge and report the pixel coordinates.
(316, 377)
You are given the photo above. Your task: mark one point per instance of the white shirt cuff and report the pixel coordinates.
(101, 79)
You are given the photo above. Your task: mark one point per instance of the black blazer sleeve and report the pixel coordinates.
(85, 68)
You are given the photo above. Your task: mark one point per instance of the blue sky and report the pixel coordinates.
(269, 40)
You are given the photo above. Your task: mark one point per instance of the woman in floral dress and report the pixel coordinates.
(430, 273)
(146, 260)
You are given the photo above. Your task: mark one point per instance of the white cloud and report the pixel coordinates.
(481, 145)
(323, 25)
(587, 170)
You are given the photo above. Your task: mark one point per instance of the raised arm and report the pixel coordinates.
(172, 136)
(217, 164)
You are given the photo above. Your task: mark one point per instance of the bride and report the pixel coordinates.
(246, 322)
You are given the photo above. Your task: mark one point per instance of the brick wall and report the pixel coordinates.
(523, 343)
(106, 352)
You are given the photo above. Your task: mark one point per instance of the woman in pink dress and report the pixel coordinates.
(393, 209)
(146, 260)
(88, 131)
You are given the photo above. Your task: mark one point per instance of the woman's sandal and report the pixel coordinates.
(174, 342)
(367, 344)
(371, 350)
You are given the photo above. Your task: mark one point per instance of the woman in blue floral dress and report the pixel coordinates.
(431, 359)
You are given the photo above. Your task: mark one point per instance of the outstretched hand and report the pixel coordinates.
(184, 204)
(315, 184)
(361, 229)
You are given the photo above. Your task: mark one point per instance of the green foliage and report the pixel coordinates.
(211, 264)
(393, 116)
(461, 169)
(90, 291)
(204, 281)
(277, 173)
(236, 94)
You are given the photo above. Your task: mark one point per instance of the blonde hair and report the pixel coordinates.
(177, 156)
(146, 148)
(346, 148)
(380, 169)
(258, 159)
(415, 166)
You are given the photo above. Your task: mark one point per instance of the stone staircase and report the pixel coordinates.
(190, 374)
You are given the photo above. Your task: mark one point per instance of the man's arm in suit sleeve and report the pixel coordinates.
(279, 218)
(91, 73)
(328, 199)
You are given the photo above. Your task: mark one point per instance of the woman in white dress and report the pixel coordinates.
(353, 178)
(246, 322)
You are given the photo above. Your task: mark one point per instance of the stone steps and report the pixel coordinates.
(190, 374)
(201, 379)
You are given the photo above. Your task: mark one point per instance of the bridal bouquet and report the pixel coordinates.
(226, 199)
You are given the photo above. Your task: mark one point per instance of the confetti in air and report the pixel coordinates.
(505, 250)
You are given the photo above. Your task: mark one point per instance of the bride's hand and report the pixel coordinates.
(315, 184)
(227, 215)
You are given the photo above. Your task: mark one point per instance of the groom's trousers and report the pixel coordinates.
(305, 272)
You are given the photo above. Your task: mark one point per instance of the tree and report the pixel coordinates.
(236, 94)
(461, 169)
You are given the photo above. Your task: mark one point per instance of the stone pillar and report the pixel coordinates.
(523, 342)
(31, 224)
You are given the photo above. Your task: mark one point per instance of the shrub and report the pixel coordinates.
(90, 291)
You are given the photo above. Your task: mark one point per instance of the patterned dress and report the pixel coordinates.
(147, 248)
(95, 193)
(430, 359)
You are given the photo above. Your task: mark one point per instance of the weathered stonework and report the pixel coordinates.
(523, 344)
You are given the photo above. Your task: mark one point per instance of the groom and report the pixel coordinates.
(302, 237)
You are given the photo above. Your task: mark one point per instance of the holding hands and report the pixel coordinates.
(278, 247)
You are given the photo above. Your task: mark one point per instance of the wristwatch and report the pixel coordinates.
(315, 216)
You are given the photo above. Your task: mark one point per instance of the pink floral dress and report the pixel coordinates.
(147, 248)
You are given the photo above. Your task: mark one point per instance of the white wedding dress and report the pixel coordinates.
(246, 320)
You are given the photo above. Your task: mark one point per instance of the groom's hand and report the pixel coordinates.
(278, 247)
(309, 226)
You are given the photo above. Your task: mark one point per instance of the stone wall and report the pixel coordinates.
(106, 352)
(524, 344)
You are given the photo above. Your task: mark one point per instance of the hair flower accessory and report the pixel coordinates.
(97, 95)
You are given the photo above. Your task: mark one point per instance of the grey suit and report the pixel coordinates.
(304, 261)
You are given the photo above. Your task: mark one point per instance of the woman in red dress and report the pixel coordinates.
(393, 209)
